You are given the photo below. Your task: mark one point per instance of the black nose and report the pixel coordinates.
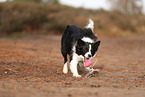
(89, 55)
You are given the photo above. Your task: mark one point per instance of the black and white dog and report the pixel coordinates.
(79, 44)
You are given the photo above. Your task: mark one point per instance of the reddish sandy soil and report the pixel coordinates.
(32, 67)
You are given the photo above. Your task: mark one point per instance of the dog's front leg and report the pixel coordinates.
(73, 68)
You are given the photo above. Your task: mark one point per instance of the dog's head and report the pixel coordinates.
(88, 50)
(87, 45)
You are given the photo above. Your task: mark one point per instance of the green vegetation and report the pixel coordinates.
(20, 17)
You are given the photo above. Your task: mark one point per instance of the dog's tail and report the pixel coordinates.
(90, 25)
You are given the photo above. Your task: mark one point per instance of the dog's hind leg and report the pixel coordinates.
(65, 68)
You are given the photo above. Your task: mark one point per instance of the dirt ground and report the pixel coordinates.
(32, 67)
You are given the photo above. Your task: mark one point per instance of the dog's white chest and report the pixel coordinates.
(78, 57)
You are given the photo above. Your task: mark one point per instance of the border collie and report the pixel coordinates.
(79, 44)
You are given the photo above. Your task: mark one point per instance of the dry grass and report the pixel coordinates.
(36, 17)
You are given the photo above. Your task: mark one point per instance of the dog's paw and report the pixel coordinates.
(65, 71)
(76, 75)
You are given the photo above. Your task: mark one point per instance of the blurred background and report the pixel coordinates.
(111, 17)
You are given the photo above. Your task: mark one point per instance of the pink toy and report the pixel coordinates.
(88, 62)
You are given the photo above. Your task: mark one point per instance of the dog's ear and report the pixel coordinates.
(96, 45)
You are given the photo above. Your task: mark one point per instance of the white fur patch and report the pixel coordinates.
(78, 57)
(88, 53)
(65, 68)
(87, 39)
(90, 25)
